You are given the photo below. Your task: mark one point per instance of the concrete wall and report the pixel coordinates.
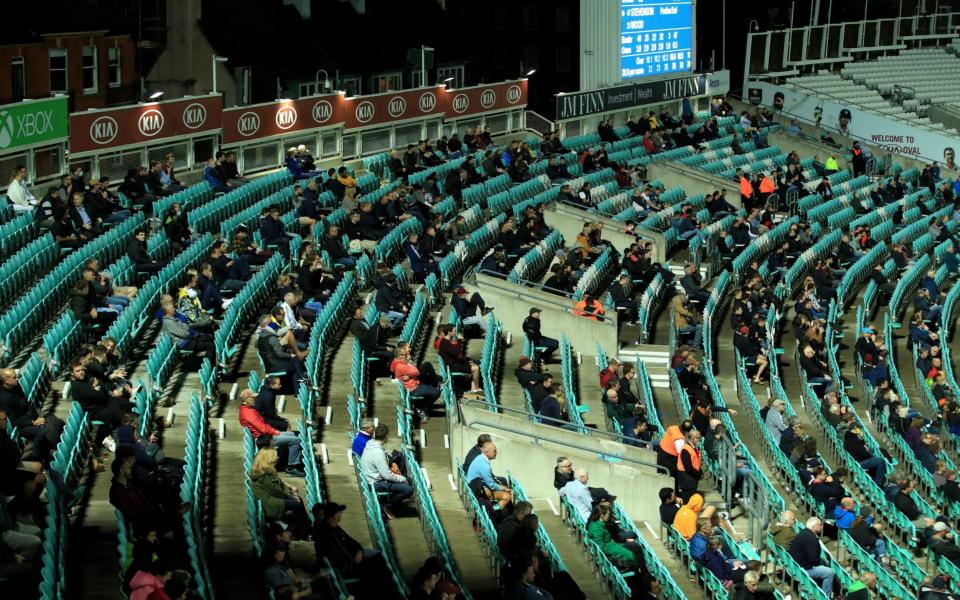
(186, 65)
(513, 303)
(692, 180)
(529, 451)
(569, 221)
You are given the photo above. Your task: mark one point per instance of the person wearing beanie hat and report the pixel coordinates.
(390, 300)
(749, 350)
(495, 264)
(525, 374)
(531, 328)
(467, 309)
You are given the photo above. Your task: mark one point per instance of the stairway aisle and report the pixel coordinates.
(437, 466)
(234, 569)
(510, 394)
(577, 561)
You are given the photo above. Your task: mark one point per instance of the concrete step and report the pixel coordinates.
(676, 267)
(655, 357)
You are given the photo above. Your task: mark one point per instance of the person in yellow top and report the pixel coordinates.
(589, 308)
(686, 319)
(349, 183)
(832, 166)
(584, 243)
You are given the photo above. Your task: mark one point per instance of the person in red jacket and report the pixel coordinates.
(253, 421)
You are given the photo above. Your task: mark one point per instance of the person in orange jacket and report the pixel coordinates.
(589, 308)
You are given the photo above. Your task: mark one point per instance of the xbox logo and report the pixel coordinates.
(6, 129)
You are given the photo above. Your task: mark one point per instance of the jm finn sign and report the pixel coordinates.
(622, 97)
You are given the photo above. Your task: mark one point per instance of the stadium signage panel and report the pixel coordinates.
(623, 97)
(897, 136)
(486, 98)
(97, 130)
(33, 122)
(244, 123)
(381, 109)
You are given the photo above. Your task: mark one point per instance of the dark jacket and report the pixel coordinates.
(805, 549)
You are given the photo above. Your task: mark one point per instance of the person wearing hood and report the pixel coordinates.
(686, 520)
(862, 588)
(148, 584)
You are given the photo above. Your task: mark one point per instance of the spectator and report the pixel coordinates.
(467, 309)
(689, 471)
(213, 177)
(422, 383)
(266, 404)
(480, 477)
(578, 495)
(783, 530)
(943, 543)
(253, 421)
(281, 502)
(589, 308)
(854, 444)
(149, 584)
(723, 569)
(272, 232)
(345, 554)
(669, 505)
(805, 550)
(137, 251)
(685, 521)
(385, 477)
(276, 358)
(701, 539)
(450, 347)
(186, 337)
(546, 346)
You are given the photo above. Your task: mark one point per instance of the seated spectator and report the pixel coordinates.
(467, 309)
(588, 307)
(480, 477)
(805, 550)
(281, 502)
(422, 383)
(277, 359)
(253, 421)
(84, 220)
(391, 300)
(577, 493)
(137, 251)
(450, 347)
(272, 232)
(669, 505)
(598, 532)
(943, 543)
(364, 435)
(685, 521)
(344, 553)
(186, 337)
(724, 569)
(266, 404)
(140, 510)
(83, 310)
(385, 477)
(213, 177)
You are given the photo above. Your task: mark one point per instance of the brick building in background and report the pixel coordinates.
(66, 47)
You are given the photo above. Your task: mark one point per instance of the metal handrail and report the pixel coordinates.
(610, 434)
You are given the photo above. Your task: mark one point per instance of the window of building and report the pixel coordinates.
(563, 59)
(563, 18)
(18, 78)
(113, 66)
(531, 17)
(388, 83)
(351, 85)
(58, 70)
(531, 56)
(499, 17)
(89, 69)
(309, 89)
(455, 71)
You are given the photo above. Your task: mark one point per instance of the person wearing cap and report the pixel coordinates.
(531, 328)
(526, 376)
(467, 309)
(943, 543)
(381, 474)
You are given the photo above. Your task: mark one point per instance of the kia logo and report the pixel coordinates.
(194, 116)
(103, 130)
(460, 103)
(513, 94)
(397, 106)
(248, 124)
(428, 102)
(322, 111)
(488, 98)
(150, 122)
(365, 111)
(286, 117)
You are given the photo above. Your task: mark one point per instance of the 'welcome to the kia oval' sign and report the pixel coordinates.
(98, 130)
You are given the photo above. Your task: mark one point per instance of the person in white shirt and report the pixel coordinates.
(289, 317)
(18, 194)
(578, 494)
(383, 476)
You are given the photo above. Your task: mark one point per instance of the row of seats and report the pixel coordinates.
(532, 264)
(207, 217)
(45, 299)
(23, 268)
(245, 305)
(568, 376)
(17, 232)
